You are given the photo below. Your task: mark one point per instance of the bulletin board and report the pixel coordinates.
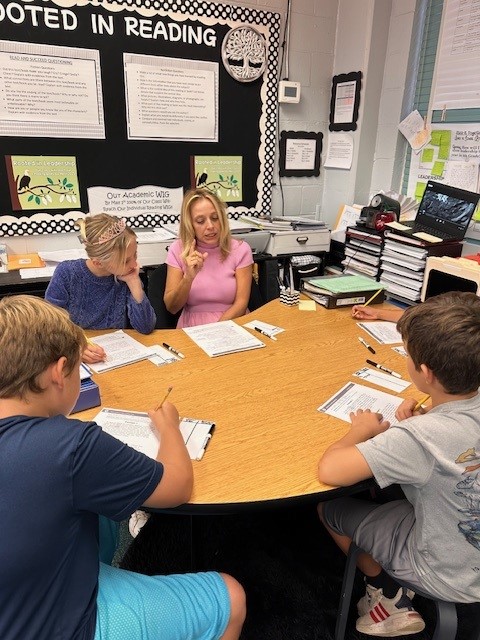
(107, 44)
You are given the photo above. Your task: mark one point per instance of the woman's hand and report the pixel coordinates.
(194, 261)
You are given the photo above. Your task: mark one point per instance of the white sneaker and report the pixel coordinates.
(372, 596)
(389, 617)
(136, 522)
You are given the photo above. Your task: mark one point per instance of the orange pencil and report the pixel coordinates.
(169, 390)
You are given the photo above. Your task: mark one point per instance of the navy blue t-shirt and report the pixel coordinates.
(56, 476)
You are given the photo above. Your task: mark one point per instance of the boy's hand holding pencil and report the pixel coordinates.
(410, 407)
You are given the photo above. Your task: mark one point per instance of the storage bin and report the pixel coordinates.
(295, 242)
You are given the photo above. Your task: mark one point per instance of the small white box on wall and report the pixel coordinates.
(289, 91)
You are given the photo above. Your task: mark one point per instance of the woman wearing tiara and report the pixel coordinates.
(104, 291)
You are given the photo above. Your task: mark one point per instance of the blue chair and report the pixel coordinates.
(446, 625)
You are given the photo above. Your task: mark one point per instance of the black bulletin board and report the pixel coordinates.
(246, 111)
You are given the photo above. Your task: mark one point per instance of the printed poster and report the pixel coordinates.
(43, 182)
(220, 174)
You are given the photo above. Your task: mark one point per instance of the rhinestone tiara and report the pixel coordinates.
(113, 231)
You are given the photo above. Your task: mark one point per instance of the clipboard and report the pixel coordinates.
(135, 429)
(196, 435)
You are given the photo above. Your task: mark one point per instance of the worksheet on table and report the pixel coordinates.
(383, 332)
(355, 396)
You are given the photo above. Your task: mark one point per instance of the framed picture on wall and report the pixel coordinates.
(300, 153)
(43, 182)
(345, 101)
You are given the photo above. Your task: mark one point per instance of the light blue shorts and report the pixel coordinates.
(194, 606)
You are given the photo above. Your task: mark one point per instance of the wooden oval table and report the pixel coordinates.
(269, 435)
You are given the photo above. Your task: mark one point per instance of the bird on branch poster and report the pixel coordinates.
(220, 174)
(43, 182)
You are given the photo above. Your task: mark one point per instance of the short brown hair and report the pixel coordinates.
(187, 233)
(33, 335)
(443, 333)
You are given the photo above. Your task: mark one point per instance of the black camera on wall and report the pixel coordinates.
(381, 210)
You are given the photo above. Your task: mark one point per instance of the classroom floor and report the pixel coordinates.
(288, 565)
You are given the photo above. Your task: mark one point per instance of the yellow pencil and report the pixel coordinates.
(372, 298)
(418, 406)
(166, 396)
(93, 344)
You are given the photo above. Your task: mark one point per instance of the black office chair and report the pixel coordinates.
(446, 625)
(166, 320)
(155, 290)
(256, 299)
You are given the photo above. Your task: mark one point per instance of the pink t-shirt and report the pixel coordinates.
(214, 289)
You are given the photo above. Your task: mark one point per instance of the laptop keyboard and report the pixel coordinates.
(421, 228)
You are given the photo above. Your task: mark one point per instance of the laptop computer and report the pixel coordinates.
(444, 213)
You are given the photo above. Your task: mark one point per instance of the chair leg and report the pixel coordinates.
(347, 588)
(446, 627)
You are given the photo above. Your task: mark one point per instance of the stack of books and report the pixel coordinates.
(363, 248)
(403, 263)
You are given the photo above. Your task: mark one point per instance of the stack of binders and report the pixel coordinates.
(403, 262)
(363, 248)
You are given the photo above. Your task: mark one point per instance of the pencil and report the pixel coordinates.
(94, 344)
(89, 341)
(372, 298)
(166, 396)
(418, 406)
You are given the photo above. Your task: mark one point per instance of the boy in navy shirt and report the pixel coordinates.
(57, 476)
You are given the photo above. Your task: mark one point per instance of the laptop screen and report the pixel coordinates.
(447, 208)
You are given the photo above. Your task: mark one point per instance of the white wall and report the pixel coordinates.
(312, 47)
(374, 36)
(329, 37)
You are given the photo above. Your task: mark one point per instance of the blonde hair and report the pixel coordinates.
(33, 335)
(105, 237)
(187, 232)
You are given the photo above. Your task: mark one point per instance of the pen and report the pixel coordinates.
(365, 344)
(177, 353)
(419, 404)
(386, 369)
(264, 333)
(169, 390)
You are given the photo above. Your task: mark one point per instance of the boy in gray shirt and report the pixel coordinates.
(431, 539)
